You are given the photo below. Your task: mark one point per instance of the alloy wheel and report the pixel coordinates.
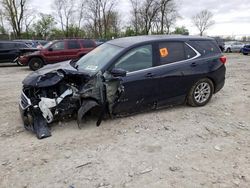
(202, 92)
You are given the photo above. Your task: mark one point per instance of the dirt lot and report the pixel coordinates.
(175, 147)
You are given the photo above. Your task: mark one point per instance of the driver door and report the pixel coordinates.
(140, 83)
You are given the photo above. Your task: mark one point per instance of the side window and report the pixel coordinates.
(73, 44)
(189, 52)
(87, 44)
(171, 52)
(206, 47)
(58, 46)
(136, 59)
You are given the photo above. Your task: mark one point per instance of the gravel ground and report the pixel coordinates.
(174, 147)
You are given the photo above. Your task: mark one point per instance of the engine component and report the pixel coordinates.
(46, 104)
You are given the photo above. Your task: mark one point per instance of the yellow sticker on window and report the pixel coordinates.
(164, 52)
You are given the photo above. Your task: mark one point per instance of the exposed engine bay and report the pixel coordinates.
(60, 91)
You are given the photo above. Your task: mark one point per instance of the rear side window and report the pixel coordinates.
(189, 52)
(87, 43)
(171, 52)
(73, 44)
(206, 47)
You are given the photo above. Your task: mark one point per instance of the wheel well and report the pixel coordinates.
(212, 80)
(214, 84)
(35, 57)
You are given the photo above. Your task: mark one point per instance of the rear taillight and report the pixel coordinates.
(223, 59)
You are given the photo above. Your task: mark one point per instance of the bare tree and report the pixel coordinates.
(107, 7)
(65, 10)
(135, 20)
(163, 11)
(166, 17)
(15, 11)
(170, 17)
(2, 27)
(100, 13)
(28, 21)
(203, 21)
(148, 12)
(156, 16)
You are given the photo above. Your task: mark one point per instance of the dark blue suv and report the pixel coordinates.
(246, 49)
(124, 76)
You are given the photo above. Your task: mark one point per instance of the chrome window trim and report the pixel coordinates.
(152, 68)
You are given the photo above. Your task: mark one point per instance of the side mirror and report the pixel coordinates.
(50, 49)
(117, 72)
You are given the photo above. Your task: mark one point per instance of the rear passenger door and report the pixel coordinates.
(87, 46)
(73, 50)
(175, 72)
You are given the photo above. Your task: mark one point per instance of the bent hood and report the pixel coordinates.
(52, 74)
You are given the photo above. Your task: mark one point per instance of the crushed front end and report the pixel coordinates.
(59, 92)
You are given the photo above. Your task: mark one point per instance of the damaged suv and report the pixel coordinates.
(122, 77)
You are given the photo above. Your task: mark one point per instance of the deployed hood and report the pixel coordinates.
(51, 74)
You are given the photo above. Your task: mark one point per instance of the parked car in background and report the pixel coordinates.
(58, 51)
(124, 76)
(220, 43)
(28, 42)
(10, 51)
(233, 46)
(33, 43)
(246, 49)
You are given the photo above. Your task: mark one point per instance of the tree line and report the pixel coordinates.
(95, 19)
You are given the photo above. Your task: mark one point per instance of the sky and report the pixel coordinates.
(232, 17)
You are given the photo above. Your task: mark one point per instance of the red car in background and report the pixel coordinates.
(57, 51)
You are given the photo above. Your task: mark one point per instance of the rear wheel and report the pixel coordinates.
(245, 53)
(201, 92)
(228, 50)
(36, 63)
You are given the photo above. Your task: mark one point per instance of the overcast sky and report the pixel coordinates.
(232, 17)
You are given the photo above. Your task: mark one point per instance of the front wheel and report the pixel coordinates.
(201, 92)
(245, 53)
(35, 63)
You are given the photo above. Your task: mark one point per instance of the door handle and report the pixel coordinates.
(149, 75)
(193, 64)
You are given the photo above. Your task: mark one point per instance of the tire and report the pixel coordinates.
(245, 53)
(18, 63)
(36, 63)
(228, 50)
(200, 93)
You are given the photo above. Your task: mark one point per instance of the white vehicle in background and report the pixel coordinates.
(233, 46)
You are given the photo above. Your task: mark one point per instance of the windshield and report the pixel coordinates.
(95, 60)
(47, 45)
